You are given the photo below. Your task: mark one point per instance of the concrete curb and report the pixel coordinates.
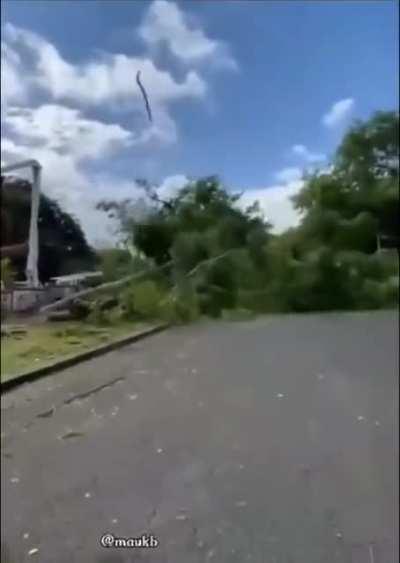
(70, 361)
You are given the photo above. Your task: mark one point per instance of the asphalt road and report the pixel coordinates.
(271, 441)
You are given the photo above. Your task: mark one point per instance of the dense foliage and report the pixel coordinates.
(225, 258)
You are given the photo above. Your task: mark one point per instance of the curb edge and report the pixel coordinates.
(65, 363)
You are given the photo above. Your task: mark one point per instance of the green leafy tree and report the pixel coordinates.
(368, 158)
(220, 256)
(360, 195)
(116, 263)
(202, 222)
(346, 213)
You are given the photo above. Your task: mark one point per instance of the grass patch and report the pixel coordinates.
(45, 344)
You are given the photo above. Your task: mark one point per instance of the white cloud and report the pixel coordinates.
(163, 130)
(63, 142)
(338, 112)
(62, 138)
(171, 185)
(60, 135)
(291, 174)
(65, 178)
(276, 204)
(65, 131)
(77, 192)
(12, 87)
(61, 176)
(307, 155)
(30, 62)
(166, 23)
(105, 79)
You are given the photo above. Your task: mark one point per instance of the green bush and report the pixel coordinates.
(180, 307)
(97, 316)
(390, 291)
(127, 302)
(390, 263)
(7, 272)
(375, 294)
(142, 300)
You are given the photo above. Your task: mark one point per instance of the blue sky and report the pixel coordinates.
(253, 91)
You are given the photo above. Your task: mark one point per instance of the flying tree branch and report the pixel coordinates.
(145, 97)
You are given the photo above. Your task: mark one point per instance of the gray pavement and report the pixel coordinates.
(270, 441)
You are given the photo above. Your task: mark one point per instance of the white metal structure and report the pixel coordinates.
(31, 270)
(73, 279)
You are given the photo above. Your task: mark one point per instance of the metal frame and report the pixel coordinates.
(31, 270)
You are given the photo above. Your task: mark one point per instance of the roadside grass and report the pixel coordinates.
(44, 344)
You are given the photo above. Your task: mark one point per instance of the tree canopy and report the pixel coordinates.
(225, 257)
(362, 187)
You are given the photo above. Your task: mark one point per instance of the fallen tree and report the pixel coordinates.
(71, 300)
(103, 288)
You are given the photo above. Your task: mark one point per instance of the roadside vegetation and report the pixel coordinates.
(219, 259)
(30, 347)
(200, 254)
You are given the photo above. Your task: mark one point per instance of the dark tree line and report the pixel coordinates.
(63, 247)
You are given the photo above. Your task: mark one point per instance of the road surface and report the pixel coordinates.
(270, 441)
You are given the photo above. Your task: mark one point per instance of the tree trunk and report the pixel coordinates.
(108, 286)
